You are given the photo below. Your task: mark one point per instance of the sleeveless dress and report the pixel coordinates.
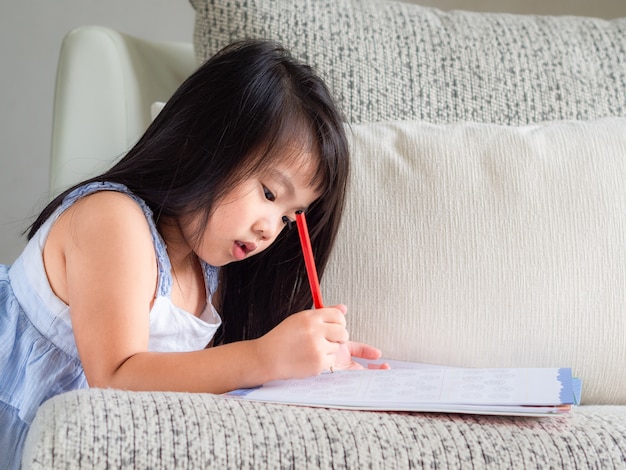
(38, 355)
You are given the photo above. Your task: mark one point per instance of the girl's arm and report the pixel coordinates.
(100, 260)
(298, 347)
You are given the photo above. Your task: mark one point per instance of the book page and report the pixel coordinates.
(424, 388)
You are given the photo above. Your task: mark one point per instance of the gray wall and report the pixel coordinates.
(30, 36)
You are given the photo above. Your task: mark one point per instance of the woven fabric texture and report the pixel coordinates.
(97, 429)
(481, 245)
(392, 60)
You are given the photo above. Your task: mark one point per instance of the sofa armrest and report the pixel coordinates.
(106, 82)
(95, 428)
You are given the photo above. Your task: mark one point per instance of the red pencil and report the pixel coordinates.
(309, 261)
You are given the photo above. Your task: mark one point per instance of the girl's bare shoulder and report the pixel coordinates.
(111, 203)
(106, 218)
(104, 231)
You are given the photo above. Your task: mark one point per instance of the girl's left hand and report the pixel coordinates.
(350, 349)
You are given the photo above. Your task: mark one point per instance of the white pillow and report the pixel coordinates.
(485, 245)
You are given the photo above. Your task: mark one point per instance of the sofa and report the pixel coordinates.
(485, 227)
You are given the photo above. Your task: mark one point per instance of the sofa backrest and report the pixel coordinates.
(389, 60)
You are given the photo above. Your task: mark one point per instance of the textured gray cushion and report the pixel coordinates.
(113, 429)
(391, 60)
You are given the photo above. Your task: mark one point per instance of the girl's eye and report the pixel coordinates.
(269, 195)
(288, 222)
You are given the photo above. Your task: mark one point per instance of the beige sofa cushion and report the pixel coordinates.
(485, 245)
(387, 59)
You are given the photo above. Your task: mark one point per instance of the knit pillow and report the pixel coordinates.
(488, 246)
(387, 60)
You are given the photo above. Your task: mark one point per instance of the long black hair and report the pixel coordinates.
(227, 121)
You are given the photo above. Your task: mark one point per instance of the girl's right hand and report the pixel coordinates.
(303, 344)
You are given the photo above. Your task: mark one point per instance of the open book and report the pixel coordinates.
(427, 388)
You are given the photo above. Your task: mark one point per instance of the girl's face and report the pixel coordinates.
(252, 214)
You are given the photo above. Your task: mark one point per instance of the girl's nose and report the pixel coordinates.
(268, 229)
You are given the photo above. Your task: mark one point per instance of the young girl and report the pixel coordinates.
(119, 285)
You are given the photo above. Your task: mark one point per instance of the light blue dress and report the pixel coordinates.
(38, 355)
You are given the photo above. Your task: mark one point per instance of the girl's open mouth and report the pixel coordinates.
(242, 249)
